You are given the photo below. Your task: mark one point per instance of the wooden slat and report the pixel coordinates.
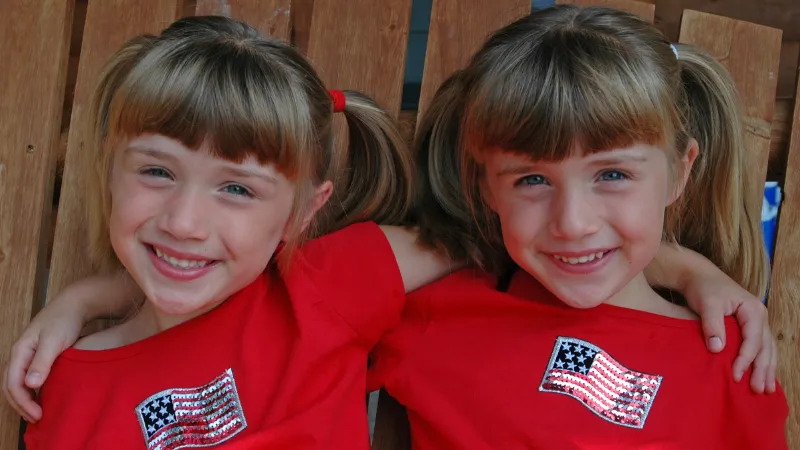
(787, 74)
(361, 45)
(644, 10)
(458, 28)
(779, 143)
(271, 17)
(751, 53)
(784, 296)
(781, 14)
(34, 50)
(108, 25)
(302, 11)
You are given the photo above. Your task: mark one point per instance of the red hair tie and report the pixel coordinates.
(339, 101)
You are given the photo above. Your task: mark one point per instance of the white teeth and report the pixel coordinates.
(581, 259)
(180, 263)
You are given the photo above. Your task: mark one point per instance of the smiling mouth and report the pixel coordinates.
(583, 259)
(184, 264)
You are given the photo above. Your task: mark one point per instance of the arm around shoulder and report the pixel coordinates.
(418, 265)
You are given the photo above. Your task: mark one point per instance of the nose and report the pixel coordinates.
(575, 214)
(186, 216)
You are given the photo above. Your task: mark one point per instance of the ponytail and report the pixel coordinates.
(715, 217)
(374, 177)
(95, 160)
(449, 208)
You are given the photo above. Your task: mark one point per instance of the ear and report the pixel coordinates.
(685, 167)
(321, 195)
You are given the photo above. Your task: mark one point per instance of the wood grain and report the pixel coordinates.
(271, 17)
(34, 48)
(458, 28)
(108, 25)
(302, 12)
(645, 10)
(787, 74)
(751, 53)
(362, 45)
(780, 14)
(784, 295)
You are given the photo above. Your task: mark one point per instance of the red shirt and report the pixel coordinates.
(281, 364)
(482, 369)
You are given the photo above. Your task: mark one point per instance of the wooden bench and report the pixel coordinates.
(52, 53)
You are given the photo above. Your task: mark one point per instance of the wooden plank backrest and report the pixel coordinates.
(784, 294)
(646, 11)
(34, 49)
(752, 54)
(108, 25)
(457, 30)
(361, 45)
(271, 17)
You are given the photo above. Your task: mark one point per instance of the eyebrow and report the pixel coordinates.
(148, 151)
(605, 160)
(232, 171)
(247, 173)
(611, 160)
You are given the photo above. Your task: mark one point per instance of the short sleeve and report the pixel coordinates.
(755, 420)
(751, 420)
(355, 273)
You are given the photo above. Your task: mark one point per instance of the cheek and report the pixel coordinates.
(640, 215)
(131, 204)
(254, 233)
(521, 220)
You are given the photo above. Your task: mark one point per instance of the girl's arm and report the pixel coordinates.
(57, 327)
(418, 265)
(714, 295)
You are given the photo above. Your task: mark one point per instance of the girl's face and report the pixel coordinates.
(193, 229)
(588, 225)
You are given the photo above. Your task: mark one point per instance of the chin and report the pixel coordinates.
(581, 300)
(179, 305)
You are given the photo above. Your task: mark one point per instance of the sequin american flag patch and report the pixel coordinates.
(590, 375)
(202, 416)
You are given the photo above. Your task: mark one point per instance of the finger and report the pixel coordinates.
(713, 322)
(21, 356)
(9, 398)
(752, 335)
(46, 353)
(758, 377)
(772, 371)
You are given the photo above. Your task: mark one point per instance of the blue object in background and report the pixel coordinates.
(769, 214)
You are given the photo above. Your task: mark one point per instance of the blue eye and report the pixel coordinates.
(532, 180)
(238, 189)
(613, 175)
(156, 172)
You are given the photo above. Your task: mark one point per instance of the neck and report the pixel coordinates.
(150, 321)
(638, 294)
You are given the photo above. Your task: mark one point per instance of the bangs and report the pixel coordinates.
(569, 91)
(216, 94)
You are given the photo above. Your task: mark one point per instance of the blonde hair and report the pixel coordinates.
(216, 81)
(566, 78)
